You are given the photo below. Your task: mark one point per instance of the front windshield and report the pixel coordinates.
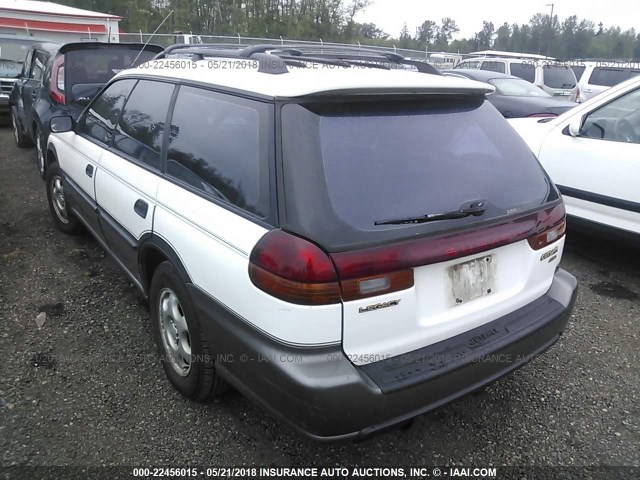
(514, 87)
(12, 56)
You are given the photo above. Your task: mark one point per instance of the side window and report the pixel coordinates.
(100, 120)
(608, 77)
(220, 144)
(26, 66)
(140, 130)
(526, 71)
(38, 65)
(618, 120)
(493, 66)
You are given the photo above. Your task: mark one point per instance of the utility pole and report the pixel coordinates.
(550, 28)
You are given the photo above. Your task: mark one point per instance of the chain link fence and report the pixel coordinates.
(439, 59)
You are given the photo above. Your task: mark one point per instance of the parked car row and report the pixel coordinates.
(551, 76)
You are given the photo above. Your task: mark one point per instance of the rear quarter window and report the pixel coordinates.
(526, 71)
(608, 77)
(493, 66)
(219, 145)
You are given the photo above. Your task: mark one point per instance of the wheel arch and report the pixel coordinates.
(50, 154)
(152, 251)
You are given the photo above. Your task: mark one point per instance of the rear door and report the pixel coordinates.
(30, 88)
(349, 167)
(79, 153)
(127, 182)
(597, 172)
(559, 81)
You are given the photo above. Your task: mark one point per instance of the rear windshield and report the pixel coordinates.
(347, 166)
(93, 67)
(557, 76)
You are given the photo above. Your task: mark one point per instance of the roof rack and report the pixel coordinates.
(297, 55)
(503, 54)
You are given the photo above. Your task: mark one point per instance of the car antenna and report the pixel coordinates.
(150, 37)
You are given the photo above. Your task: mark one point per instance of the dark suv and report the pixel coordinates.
(13, 51)
(63, 79)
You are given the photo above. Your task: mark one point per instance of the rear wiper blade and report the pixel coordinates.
(475, 210)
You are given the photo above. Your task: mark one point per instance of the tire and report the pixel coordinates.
(58, 205)
(22, 140)
(40, 160)
(186, 357)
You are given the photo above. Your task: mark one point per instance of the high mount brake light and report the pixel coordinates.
(298, 271)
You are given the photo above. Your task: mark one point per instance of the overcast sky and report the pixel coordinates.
(390, 15)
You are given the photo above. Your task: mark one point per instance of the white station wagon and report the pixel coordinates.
(348, 243)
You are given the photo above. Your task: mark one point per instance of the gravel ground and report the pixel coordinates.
(86, 389)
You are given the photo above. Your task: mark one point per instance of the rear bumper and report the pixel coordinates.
(322, 394)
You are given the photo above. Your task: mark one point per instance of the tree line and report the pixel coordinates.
(334, 21)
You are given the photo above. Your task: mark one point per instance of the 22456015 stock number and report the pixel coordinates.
(165, 472)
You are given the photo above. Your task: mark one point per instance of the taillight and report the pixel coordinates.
(540, 115)
(552, 226)
(294, 270)
(298, 271)
(56, 85)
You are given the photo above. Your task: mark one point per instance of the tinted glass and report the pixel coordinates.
(578, 70)
(219, 145)
(101, 118)
(140, 130)
(524, 70)
(618, 120)
(512, 87)
(468, 64)
(38, 65)
(493, 66)
(608, 77)
(404, 159)
(98, 65)
(557, 76)
(12, 57)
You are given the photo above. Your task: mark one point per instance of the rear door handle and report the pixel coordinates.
(141, 208)
(89, 170)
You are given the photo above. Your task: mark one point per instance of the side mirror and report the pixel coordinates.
(61, 124)
(575, 126)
